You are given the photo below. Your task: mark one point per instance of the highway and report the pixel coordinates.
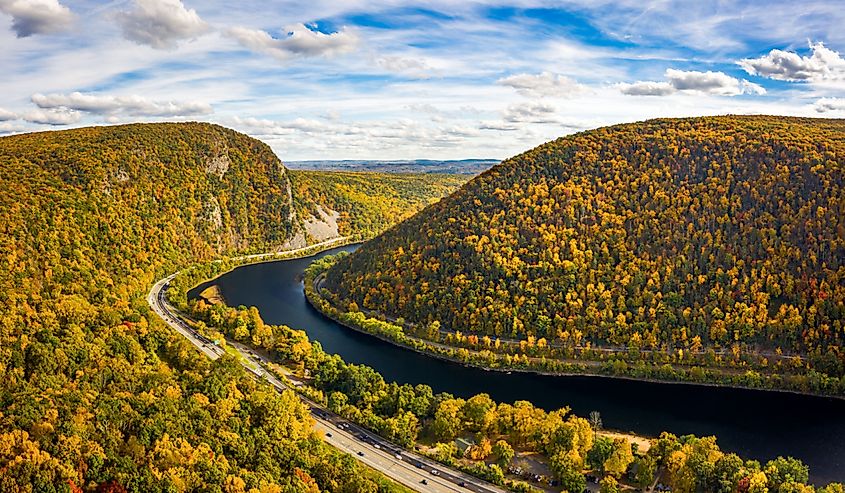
(406, 467)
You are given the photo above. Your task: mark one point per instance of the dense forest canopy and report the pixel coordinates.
(674, 234)
(97, 394)
(504, 436)
(366, 203)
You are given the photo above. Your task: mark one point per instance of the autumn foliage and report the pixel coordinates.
(367, 203)
(722, 234)
(97, 394)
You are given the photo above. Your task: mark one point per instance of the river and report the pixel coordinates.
(754, 424)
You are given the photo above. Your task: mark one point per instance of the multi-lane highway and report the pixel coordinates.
(406, 467)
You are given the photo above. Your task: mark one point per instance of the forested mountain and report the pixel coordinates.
(718, 236)
(468, 167)
(97, 394)
(364, 204)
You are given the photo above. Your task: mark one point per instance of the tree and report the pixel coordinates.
(583, 437)
(433, 331)
(567, 468)
(495, 474)
(646, 470)
(621, 456)
(481, 450)
(726, 473)
(691, 466)
(479, 411)
(609, 484)
(832, 488)
(785, 470)
(601, 451)
(337, 401)
(448, 419)
(446, 451)
(793, 487)
(404, 428)
(757, 482)
(595, 421)
(503, 453)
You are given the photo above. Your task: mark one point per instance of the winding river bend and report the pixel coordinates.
(754, 424)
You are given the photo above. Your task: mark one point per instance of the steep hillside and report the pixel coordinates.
(96, 393)
(363, 204)
(712, 241)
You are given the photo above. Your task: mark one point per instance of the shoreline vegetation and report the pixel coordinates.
(530, 357)
(201, 272)
(573, 448)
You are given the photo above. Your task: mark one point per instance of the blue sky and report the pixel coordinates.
(388, 79)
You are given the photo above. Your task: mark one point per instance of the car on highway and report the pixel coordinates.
(435, 472)
(398, 456)
(328, 434)
(424, 481)
(361, 453)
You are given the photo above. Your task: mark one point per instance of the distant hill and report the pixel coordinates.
(460, 167)
(722, 237)
(363, 204)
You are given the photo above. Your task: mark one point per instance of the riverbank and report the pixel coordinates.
(213, 295)
(608, 368)
(756, 425)
(199, 273)
(382, 457)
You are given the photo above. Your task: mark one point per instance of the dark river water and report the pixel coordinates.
(755, 424)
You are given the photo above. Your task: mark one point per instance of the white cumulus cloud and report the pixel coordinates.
(380, 134)
(543, 84)
(530, 112)
(707, 82)
(414, 67)
(746, 87)
(825, 105)
(161, 23)
(6, 115)
(52, 117)
(36, 16)
(823, 65)
(692, 81)
(499, 126)
(646, 88)
(113, 105)
(300, 41)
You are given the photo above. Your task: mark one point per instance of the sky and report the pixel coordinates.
(391, 79)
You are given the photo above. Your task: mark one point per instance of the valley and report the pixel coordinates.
(403, 466)
(404, 246)
(754, 424)
(215, 204)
